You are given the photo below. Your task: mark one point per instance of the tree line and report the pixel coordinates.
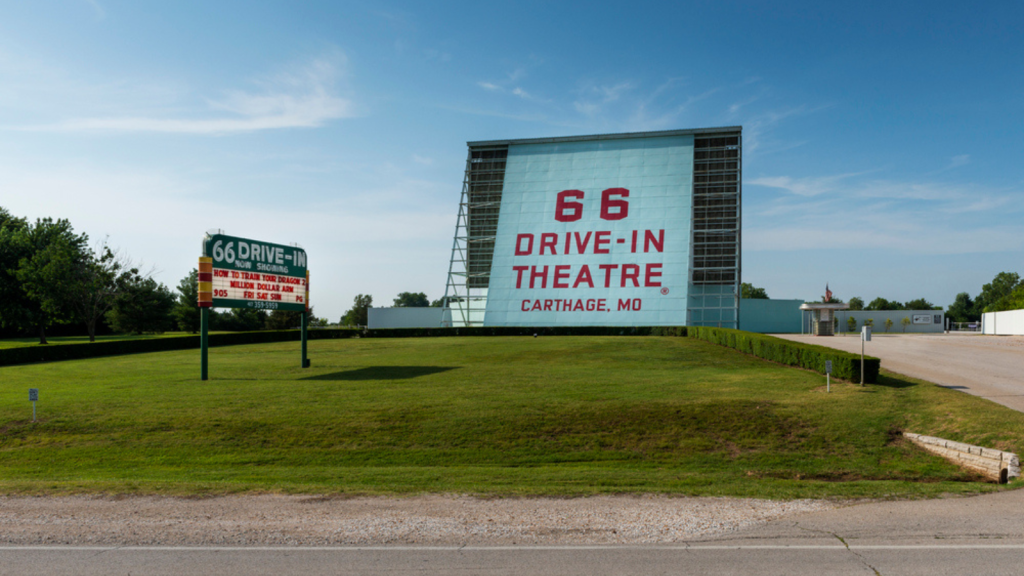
(1004, 292)
(51, 276)
(358, 314)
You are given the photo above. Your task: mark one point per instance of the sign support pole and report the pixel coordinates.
(204, 341)
(305, 323)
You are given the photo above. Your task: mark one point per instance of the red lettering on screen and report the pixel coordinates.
(547, 240)
(599, 239)
(584, 276)
(658, 243)
(652, 271)
(608, 203)
(630, 272)
(543, 275)
(608, 273)
(561, 273)
(519, 274)
(520, 251)
(562, 205)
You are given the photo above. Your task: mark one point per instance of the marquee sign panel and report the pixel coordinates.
(245, 273)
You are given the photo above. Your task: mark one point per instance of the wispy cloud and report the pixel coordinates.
(305, 97)
(847, 211)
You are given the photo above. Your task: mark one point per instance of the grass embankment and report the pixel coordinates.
(492, 415)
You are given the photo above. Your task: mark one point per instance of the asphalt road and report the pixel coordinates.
(988, 366)
(952, 536)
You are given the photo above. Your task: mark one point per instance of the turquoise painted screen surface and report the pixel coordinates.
(602, 268)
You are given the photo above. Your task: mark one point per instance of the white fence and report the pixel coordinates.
(1009, 323)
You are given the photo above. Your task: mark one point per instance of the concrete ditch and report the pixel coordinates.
(993, 464)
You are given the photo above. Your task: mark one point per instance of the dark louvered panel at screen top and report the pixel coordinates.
(716, 208)
(485, 176)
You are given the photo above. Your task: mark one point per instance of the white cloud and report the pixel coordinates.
(488, 86)
(301, 98)
(422, 160)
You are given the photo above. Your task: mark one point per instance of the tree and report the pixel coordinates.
(919, 304)
(144, 306)
(856, 303)
(104, 276)
(240, 320)
(186, 310)
(888, 324)
(748, 290)
(50, 271)
(358, 314)
(962, 309)
(905, 322)
(883, 304)
(284, 320)
(412, 300)
(851, 323)
(870, 322)
(15, 306)
(1001, 286)
(437, 303)
(1012, 301)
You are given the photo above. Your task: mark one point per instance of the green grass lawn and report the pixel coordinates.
(490, 415)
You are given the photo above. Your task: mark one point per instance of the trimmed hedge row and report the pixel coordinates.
(844, 364)
(528, 331)
(56, 352)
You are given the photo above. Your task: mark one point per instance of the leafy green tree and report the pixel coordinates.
(856, 303)
(905, 322)
(186, 310)
(870, 322)
(851, 323)
(105, 276)
(437, 303)
(284, 320)
(920, 304)
(883, 304)
(358, 315)
(51, 271)
(962, 309)
(748, 290)
(1012, 301)
(240, 320)
(1001, 286)
(412, 300)
(888, 324)
(145, 306)
(16, 310)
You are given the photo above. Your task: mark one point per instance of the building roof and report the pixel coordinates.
(619, 136)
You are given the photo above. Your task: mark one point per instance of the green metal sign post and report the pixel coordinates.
(243, 273)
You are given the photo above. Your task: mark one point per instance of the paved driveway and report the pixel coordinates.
(988, 366)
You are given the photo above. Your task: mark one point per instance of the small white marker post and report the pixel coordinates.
(865, 336)
(828, 376)
(33, 397)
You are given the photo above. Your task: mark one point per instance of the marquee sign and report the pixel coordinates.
(243, 273)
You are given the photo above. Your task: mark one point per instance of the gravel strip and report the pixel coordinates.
(276, 520)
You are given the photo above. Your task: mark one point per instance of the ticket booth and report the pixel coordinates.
(823, 317)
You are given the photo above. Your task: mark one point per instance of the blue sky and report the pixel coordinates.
(882, 139)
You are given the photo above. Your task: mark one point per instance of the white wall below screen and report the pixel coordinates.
(405, 317)
(1009, 323)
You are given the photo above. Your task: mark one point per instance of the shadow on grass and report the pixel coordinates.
(893, 381)
(383, 373)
